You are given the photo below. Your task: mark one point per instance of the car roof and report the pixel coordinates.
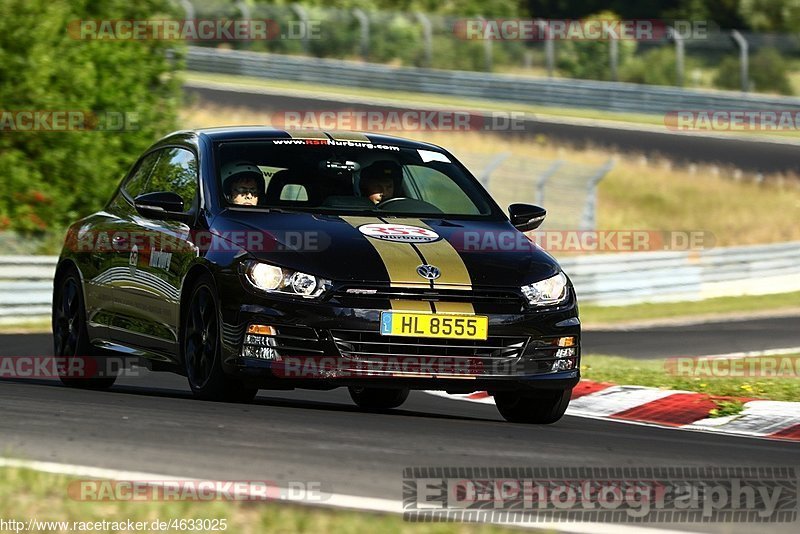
(231, 133)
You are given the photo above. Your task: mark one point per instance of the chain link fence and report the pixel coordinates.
(419, 39)
(568, 190)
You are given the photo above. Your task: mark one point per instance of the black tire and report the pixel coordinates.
(378, 399)
(201, 348)
(80, 364)
(541, 407)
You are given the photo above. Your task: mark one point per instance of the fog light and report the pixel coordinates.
(258, 342)
(565, 353)
(566, 341)
(563, 365)
(261, 353)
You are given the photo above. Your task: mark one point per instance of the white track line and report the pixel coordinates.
(747, 354)
(333, 500)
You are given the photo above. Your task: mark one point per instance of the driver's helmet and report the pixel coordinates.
(232, 172)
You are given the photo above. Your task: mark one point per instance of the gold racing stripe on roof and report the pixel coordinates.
(307, 134)
(349, 136)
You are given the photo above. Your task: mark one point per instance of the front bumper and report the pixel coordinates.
(323, 345)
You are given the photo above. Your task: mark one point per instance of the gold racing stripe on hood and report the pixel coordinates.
(400, 259)
(418, 306)
(464, 308)
(444, 256)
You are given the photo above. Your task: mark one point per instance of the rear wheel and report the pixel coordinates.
(201, 348)
(78, 362)
(378, 399)
(539, 407)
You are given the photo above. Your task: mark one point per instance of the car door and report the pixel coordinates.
(107, 246)
(148, 304)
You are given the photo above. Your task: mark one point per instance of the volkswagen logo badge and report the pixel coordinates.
(429, 272)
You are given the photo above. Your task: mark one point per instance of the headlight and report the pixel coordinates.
(546, 292)
(275, 279)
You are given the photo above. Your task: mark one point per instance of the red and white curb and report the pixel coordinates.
(683, 410)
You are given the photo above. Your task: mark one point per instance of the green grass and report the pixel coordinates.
(27, 494)
(658, 373)
(409, 98)
(34, 325)
(726, 408)
(593, 314)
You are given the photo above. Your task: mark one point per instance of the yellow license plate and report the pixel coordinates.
(434, 325)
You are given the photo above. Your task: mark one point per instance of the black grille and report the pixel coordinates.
(501, 300)
(364, 346)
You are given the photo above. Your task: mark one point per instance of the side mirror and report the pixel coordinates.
(526, 217)
(164, 205)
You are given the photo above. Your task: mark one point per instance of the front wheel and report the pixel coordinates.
(201, 348)
(540, 407)
(77, 365)
(378, 399)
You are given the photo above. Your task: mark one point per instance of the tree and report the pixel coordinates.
(51, 177)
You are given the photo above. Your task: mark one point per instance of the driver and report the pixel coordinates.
(378, 180)
(242, 183)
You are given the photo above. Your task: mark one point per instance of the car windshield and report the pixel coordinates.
(325, 176)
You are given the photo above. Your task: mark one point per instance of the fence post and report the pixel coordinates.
(613, 50)
(744, 68)
(363, 22)
(588, 221)
(487, 44)
(302, 14)
(543, 178)
(188, 8)
(486, 173)
(427, 36)
(549, 46)
(679, 55)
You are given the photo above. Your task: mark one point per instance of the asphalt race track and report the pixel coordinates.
(722, 337)
(748, 154)
(150, 423)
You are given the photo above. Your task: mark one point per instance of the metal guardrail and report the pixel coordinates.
(635, 277)
(607, 96)
(26, 286)
(26, 282)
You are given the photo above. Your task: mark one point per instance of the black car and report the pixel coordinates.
(247, 258)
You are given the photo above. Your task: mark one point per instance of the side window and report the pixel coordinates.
(134, 186)
(440, 190)
(175, 171)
